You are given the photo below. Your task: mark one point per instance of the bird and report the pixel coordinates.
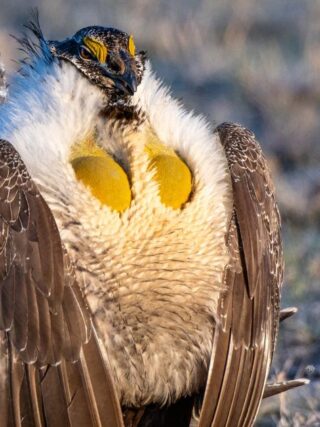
(141, 258)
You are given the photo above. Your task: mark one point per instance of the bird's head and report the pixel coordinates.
(106, 56)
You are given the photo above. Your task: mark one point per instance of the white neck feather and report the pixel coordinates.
(46, 111)
(54, 106)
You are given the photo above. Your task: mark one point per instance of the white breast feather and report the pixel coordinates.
(153, 273)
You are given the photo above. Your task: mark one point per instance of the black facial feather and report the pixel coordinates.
(121, 72)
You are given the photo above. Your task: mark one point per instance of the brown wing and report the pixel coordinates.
(52, 368)
(249, 310)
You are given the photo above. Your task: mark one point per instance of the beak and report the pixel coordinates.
(127, 83)
(125, 78)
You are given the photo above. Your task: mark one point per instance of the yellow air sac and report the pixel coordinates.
(105, 178)
(172, 174)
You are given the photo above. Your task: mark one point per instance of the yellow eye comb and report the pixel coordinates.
(131, 46)
(98, 49)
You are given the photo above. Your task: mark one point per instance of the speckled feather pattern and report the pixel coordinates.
(247, 162)
(153, 275)
(37, 282)
(249, 310)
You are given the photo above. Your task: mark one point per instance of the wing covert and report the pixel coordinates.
(249, 309)
(51, 359)
(38, 291)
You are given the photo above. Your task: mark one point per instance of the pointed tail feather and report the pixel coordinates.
(276, 388)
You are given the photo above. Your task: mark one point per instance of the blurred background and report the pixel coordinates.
(256, 62)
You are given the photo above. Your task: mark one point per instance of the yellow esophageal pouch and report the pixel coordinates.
(172, 174)
(98, 171)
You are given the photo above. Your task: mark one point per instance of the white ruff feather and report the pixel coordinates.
(153, 273)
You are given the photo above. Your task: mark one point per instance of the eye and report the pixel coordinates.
(86, 54)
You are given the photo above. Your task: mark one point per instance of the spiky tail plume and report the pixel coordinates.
(3, 84)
